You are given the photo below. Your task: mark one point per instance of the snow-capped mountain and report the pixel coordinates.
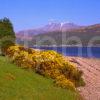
(50, 27)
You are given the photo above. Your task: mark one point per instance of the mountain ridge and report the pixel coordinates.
(83, 33)
(50, 27)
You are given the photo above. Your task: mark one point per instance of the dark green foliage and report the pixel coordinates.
(7, 34)
(6, 28)
(5, 45)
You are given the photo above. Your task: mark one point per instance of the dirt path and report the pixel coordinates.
(91, 69)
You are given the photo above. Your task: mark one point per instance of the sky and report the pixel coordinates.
(28, 14)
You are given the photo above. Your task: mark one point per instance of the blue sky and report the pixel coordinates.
(27, 14)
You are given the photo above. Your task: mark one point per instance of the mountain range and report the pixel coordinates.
(56, 30)
(50, 27)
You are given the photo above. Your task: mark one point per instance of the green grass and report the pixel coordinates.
(19, 84)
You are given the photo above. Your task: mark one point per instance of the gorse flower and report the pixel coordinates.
(47, 63)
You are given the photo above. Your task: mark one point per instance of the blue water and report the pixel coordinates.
(91, 52)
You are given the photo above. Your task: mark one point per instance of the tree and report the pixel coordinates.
(7, 34)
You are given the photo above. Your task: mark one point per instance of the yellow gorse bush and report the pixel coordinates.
(47, 63)
(63, 82)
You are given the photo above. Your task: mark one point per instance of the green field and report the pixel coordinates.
(19, 84)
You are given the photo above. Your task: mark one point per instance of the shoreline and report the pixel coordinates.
(91, 75)
(82, 57)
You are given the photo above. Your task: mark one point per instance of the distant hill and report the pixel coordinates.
(60, 33)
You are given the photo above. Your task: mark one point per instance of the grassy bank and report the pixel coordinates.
(19, 84)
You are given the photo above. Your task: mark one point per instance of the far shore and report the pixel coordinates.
(66, 46)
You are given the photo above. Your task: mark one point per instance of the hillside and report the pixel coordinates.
(84, 34)
(19, 84)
